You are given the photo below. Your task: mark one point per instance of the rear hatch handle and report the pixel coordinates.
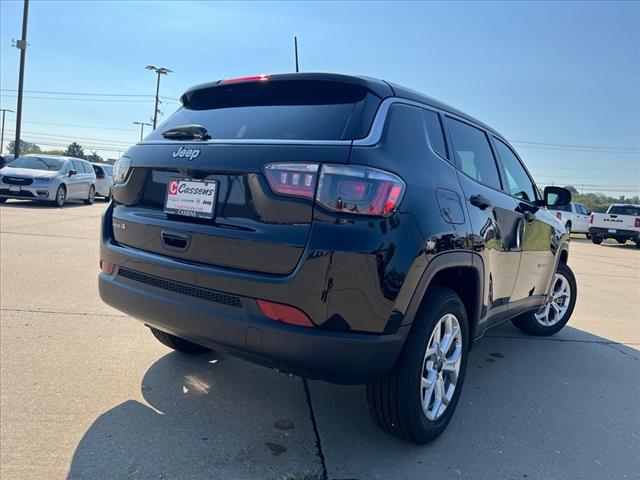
(176, 241)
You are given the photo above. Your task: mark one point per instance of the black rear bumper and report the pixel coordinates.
(235, 324)
(618, 234)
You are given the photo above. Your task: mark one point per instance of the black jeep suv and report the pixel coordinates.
(339, 228)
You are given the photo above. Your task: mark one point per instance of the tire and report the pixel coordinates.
(536, 323)
(596, 240)
(2, 200)
(568, 226)
(92, 196)
(61, 196)
(396, 400)
(588, 235)
(638, 243)
(107, 198)
(621, 241)
(178, 344)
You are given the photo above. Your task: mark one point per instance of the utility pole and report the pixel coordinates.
(159, 71)
(3, 110)
(142, 124)
(22, 46)
(295, 46)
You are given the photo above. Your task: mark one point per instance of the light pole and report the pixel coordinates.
(22, 46)
(159, 71)
(3, 110)
(142, 124)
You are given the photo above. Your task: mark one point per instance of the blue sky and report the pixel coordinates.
(549, 73)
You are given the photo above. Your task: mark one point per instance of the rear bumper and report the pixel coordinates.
(617, 233)
(235, 324)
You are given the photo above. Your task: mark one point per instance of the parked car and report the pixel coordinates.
(4, 159)
(104, 179)
(48, 178)
(339, 228)
(574, 216)
(621, 222)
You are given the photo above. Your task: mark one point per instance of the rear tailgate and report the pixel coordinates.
(250, 227)
(619, 218)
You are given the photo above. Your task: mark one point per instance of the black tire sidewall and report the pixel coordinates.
(55, 202)
(424, 429)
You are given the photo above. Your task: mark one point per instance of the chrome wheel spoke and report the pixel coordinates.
(554, 309)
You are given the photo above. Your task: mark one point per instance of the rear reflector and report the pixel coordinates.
(106, 267)
(559, 215)
(341, 188)
(591, 218)
(284, 313)
(254, 78)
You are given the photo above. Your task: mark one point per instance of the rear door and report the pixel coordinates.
(582, 220)
(290, 124)
(493, 214)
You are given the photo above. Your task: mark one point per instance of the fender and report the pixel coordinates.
(442, 261)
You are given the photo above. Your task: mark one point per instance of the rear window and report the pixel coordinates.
(624, 210)
(279, 110)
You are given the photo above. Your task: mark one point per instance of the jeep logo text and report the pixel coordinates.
(188, 153)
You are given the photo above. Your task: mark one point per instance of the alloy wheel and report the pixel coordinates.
(441, 366)
(557, 304)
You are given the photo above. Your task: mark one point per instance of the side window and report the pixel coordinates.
(518, 182)
(472, 153)
(77, 166)
(88, 168)
(68, 167)
(436, 136)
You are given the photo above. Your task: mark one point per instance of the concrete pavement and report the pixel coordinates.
(88, 393)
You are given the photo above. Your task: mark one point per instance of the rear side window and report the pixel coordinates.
(97, 170)
(88, 168)
(279, 110)
(77, 166)
(561, 208)
(624, 210)
(472, 153)
(435, 133)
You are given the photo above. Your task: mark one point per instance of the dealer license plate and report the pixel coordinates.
(191, 198)
(612, 230)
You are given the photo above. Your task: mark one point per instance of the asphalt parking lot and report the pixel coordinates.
(86, 392)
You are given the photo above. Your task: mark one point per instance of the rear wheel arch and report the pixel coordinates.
(457, 271)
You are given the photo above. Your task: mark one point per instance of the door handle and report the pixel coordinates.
(480, 202)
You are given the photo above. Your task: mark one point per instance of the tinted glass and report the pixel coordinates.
(561, 208)
(435, 133)
(624, 210)
(108, 169)
(279, 110)
(97, 170)
(77, 166)
(37, 163)
(518, 182)
(472, 153)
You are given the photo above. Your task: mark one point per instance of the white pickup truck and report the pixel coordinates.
(621, 222)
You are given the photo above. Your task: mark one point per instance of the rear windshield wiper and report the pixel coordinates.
(187, 132)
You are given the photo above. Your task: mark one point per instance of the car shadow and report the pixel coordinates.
(40, 205)
(546, 404)
(203, 416)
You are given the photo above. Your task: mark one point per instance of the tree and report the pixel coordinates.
(94, 157)
(54, 152)
(75, 150)
(25, 147)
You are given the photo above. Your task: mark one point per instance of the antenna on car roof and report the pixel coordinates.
(295, 46)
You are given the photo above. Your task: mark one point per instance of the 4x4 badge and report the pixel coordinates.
(188, 153)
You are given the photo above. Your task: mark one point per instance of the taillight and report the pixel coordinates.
(284, 313)
(637, 224)
(559, 215)
(295, 179)
(341, 188)
(106, 267)
(99, 176)
(591, 219)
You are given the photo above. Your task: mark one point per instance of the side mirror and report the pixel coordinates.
(73, 172)
(556, 196)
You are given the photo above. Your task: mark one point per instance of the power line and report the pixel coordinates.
(568, 145)
(79, 126)
(82, 99)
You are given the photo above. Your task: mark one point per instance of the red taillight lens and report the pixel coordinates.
(99, 176)
(637, 224)
(284, 313)
(106, 267)
(341, 188)
(559, 215)
(591, 219)
(253, 78)
(296, 179)
(360, 190)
